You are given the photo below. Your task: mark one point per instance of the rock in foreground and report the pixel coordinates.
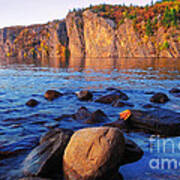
(46, 159)
(93, 153)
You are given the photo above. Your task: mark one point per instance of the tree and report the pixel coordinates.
(149, 30)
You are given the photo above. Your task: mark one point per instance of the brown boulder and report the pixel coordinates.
(93, 153)
(52, 94)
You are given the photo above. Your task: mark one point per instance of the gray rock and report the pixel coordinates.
(46, 159)
(159, 121)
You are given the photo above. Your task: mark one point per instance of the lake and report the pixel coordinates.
(21, 126)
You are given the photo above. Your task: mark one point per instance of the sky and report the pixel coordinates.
(26, 12)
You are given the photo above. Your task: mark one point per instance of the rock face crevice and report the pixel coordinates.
(75, 32)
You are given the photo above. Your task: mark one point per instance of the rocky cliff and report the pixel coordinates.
(100, 31)
(36, 41)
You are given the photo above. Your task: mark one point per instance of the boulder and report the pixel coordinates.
(32, 103)
(159, 98)
(97, 116)
(83, 115)
(46, 159)
(84, 95)
(93, 153)
(159, 121)
(111, 98)
(132, 152)
(52, 94)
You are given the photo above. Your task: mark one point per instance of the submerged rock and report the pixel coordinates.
(148, 106)
(121, 104)
(46, 159)
(84, 95)
(83, 115)
(174, 90)
(111, 98)
(34, 178)
(159, 121)
(132, 152)
(32, 103)
(97, 116)
(159, 98)
(52, 94)
(93, 153)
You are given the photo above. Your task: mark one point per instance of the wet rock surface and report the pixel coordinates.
(159, 98)
(119, 103)
(149, 106)
(46, 159)
(52, 94)
(112, 98)
(84, 95)
(159, 121)
(83, 115)
(32, 103)
(132, 152)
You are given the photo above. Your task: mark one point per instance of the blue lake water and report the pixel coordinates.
(22, 126)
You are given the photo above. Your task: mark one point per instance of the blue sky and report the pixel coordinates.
(25, 12)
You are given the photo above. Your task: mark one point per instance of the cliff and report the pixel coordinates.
(100, 31)
(36, 41)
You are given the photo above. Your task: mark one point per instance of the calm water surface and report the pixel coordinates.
(21, 126)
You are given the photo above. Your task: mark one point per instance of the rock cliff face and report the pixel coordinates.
(102, 37)
(36, 41)
(88, 33)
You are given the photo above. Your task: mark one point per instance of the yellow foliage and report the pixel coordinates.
(125, 114)
(145, 39)
(8, 54)
(25, 54)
